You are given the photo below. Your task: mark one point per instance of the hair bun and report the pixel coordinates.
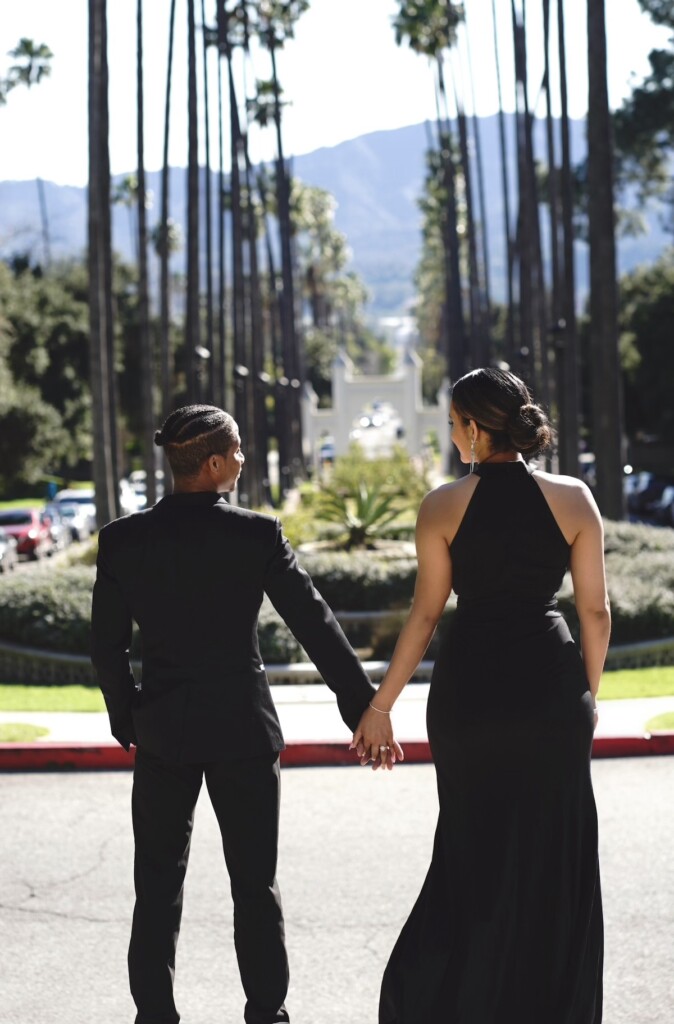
(158, 438)
(529, 430)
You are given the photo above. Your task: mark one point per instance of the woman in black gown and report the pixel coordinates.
(508, 926)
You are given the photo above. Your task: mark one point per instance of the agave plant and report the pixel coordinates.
(362, 512)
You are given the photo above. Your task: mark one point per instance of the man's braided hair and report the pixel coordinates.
(194, 432)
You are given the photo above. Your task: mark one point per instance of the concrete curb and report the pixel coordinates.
(83, 756)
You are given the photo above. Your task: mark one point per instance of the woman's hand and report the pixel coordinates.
(373, 740)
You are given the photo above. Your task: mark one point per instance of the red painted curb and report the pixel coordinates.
(82, 756)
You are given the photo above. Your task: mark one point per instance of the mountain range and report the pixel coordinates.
(376, 180)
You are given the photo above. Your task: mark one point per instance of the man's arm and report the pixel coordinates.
(111, 626)
(310, 619)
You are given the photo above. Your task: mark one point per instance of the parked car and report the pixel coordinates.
(663, 510)
(60, 530)
(138, 483)
(76, 520)
(644, 496)
(29, 529)
(84, 499)
(8, 555)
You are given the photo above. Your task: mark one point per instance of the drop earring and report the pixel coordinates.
(472, 454)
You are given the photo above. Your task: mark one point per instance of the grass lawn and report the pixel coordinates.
(640, 682)
(23, 503)
(18, 732)
(661, 723)
(637, 682)
(16, 697)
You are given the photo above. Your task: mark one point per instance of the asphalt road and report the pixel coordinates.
(355, 847)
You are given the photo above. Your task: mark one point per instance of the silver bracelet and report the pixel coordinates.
(378, 709)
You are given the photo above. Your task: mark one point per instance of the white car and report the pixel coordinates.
(84, 501)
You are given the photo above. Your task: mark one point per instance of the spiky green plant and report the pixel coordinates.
(362, 512)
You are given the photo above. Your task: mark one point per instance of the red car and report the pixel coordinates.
(31, 530)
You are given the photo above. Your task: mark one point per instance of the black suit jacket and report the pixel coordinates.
(192, 572)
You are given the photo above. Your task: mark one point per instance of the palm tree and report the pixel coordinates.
(533, 317)
(505, 184)
(429, 27)
(607, 418)
(206, 41)
(146, 347)
(569, 385)
(105, 467)
(34, 65)
(276, 24)
(192, 325)
(163, 244)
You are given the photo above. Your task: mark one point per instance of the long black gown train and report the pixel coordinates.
(508, 926)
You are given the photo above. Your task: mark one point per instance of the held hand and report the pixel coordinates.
(373, 741)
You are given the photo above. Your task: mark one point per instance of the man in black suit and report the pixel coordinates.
(191, 572)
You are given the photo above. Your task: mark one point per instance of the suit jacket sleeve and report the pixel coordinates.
(312, 622)
(111, 626)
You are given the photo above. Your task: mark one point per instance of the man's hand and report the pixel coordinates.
(374, 741)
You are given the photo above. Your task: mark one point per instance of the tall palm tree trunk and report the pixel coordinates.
(105, 469)
(505, 184)
(146, 348)
(208, 214)
(220, 351)
(533, 315)
(606, 380)
(260, 492)
(485, 297)
(280, 378)
(44, 220)
(240, 367)
(291, 354)
(192, 325)
(569, 377)
(166, 371)
(550, 331)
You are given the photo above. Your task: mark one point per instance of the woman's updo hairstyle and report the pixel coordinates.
(500, 403)
(193, 433)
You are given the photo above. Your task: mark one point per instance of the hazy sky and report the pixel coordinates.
(343, 74)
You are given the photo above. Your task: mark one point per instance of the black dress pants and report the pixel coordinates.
(245, 797)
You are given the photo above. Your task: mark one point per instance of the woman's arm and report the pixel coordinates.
(589, 587)
(432, 589)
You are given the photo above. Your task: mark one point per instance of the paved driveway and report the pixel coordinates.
(355, 847)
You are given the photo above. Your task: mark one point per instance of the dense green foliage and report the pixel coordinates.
(49, 608)
(644, 125)
(646, 318)
(45, 396)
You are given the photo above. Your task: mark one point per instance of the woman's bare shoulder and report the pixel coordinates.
(566, 493)
(456, 492)
(443, 508)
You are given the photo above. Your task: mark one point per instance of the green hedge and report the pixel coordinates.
(48, 607)
(361, 581)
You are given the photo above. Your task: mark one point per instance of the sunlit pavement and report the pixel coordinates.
(355, 846)
(309, 714)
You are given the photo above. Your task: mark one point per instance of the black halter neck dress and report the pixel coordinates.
(508, 926)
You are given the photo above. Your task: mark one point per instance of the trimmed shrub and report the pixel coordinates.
(49, 609)
(362, 581)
